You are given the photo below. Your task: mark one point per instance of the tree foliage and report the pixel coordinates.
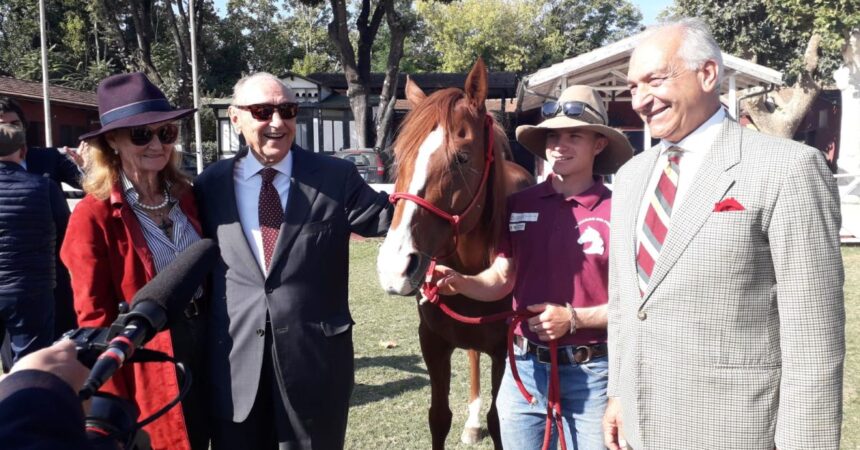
(802, 38)
(518, 36)
(574, 27)
(775, 33)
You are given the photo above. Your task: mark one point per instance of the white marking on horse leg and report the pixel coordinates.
(394, 253)
(474, 419)
(472, 428)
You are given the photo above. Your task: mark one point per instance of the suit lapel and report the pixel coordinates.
(713, 180)
(304, 187)
(226, 195)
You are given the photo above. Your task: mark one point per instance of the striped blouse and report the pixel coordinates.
(163, 248)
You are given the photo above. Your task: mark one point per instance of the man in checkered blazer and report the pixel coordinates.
(726, 315)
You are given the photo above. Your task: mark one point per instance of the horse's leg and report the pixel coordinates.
(437, 356)
(472, 429)
(498, 371)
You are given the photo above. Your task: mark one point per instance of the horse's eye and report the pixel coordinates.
(462, 157)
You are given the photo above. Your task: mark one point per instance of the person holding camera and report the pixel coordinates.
(39, 406)
(138, 214)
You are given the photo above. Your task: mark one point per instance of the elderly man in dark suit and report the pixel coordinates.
(281, 333)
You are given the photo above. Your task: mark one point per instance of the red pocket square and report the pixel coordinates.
(728, 204)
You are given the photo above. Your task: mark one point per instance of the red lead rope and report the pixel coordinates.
(430, 293)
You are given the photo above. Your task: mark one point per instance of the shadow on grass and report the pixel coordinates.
(405, 363)
(367, 393)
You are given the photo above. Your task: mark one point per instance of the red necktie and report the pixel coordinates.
(657, 219)
(271, 213)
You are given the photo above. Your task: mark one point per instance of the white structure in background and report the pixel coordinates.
(605, 69)
(847, 80)
(324, 123)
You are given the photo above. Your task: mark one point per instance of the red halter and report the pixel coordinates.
(454, 219)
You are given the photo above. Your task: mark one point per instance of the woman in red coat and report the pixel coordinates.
(138, 214)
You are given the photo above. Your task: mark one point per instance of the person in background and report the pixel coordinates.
(50, 163)
(137, 215)
(33, 213)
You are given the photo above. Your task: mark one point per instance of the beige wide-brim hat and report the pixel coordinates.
(616, 153)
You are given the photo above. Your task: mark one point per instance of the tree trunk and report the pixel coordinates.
(357, 70)
(792, 103)
(388, 96)
(848, 81)
(141, 15)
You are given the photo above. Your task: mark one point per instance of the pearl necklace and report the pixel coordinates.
(155, 207)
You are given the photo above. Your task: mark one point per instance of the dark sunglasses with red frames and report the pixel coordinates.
(141, 136)
(265, 111)
(570, 109)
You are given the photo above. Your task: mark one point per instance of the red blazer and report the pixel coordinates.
(108, 261)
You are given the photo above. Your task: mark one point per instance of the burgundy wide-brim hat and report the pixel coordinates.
(131, 100)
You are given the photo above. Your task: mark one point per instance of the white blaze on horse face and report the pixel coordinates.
(394, 255)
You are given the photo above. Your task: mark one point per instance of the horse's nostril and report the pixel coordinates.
(414, 262)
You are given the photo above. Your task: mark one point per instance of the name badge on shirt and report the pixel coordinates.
(524, 217)
(517, 226)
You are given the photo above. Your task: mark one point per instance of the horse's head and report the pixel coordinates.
(441, 153)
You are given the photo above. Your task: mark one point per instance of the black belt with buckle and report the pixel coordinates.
(566, 355)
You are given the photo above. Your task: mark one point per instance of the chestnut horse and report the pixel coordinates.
(443, 156)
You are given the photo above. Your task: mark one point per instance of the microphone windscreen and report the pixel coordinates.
(176, 284)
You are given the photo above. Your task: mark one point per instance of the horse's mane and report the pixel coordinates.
(438, 108)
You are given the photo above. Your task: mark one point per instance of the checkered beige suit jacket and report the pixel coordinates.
(739, 342)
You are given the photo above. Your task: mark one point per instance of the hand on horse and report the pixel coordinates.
(552, 322)
(447, 280)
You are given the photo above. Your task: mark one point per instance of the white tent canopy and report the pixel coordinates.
(605, 69)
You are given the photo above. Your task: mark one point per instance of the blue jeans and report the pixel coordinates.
(583, 401)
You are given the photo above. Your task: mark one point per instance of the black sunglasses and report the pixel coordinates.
(141, 136)
(570, 109)
(265, 111)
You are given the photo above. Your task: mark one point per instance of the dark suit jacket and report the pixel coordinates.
(304, 294)
(49, 162)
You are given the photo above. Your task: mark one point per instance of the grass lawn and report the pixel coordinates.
(851, 402)
(392, 392)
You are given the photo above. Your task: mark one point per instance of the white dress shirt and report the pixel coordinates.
(247, 182)
(695, 148)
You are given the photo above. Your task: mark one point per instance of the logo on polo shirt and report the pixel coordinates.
(592, 243)
(591, 239)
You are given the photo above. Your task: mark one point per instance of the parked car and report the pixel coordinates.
(367, 161)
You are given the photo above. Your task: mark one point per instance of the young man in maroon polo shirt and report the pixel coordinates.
(553, 257)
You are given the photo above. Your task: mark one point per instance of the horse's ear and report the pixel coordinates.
(414, 94)
(476, 84)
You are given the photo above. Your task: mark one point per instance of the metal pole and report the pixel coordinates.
(198, 140)
(733, 97)
(46, 97)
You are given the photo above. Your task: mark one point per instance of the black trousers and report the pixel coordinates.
(188, 337)
(268, 426)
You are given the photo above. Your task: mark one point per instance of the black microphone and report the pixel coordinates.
(153, 306)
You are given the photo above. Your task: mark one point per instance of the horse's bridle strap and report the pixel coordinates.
(454, 219)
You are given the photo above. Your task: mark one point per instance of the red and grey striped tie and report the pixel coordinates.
(657, 219)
